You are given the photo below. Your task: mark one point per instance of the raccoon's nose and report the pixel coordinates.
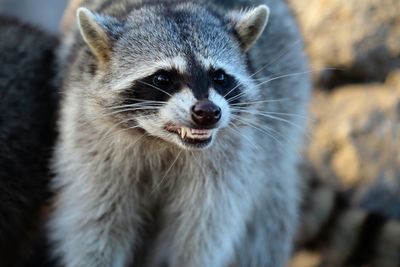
(206, 113)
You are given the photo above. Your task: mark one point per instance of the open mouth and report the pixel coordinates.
(191, 136)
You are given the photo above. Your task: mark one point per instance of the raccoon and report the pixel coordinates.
(178, 134)
(28, 103)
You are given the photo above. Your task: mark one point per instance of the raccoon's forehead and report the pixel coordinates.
(160, 38)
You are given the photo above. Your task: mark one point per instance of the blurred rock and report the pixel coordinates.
(360, 36)
(381, 197)
(356, 135)
(306, 259)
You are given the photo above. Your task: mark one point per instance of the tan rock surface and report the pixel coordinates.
(356, 135)
(361, 36)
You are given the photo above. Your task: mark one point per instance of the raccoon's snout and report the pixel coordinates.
(206, 113)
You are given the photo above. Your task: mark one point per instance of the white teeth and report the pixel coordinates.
(185, 132)
(200, 132)
(194, 133)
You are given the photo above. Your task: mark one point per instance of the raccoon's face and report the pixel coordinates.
(173, 72)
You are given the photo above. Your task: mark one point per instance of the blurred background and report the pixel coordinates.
(45, 14)
(351, 204)
(351, 166)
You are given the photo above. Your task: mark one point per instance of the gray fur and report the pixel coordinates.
(128, 198)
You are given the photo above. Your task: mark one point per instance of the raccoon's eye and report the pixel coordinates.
(161, 80)
(219, 77)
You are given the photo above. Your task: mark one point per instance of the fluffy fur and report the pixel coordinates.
(27, 134)
(132, 192)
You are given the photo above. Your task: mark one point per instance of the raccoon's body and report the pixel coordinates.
(28, 101)
(178, 139)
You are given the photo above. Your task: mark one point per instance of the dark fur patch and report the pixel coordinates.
(28, 100)
(197, 79)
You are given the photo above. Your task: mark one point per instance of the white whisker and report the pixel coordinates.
(285, 52)
(229, 100)
(236, 131)
(141, 105)
(294, 74)
(110, 132)
(145, 100)
(266, 131)
(166, 173)
(262, 101)
(269, 129)
(230, 91)
(155, 87)
(256, 112)
(130, 109)
(275, 118)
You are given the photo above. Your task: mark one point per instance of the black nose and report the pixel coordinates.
(206, 113)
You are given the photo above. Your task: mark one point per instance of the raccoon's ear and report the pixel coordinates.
(93, 30)
(249, 24)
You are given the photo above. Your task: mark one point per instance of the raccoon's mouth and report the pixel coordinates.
(191, 136)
